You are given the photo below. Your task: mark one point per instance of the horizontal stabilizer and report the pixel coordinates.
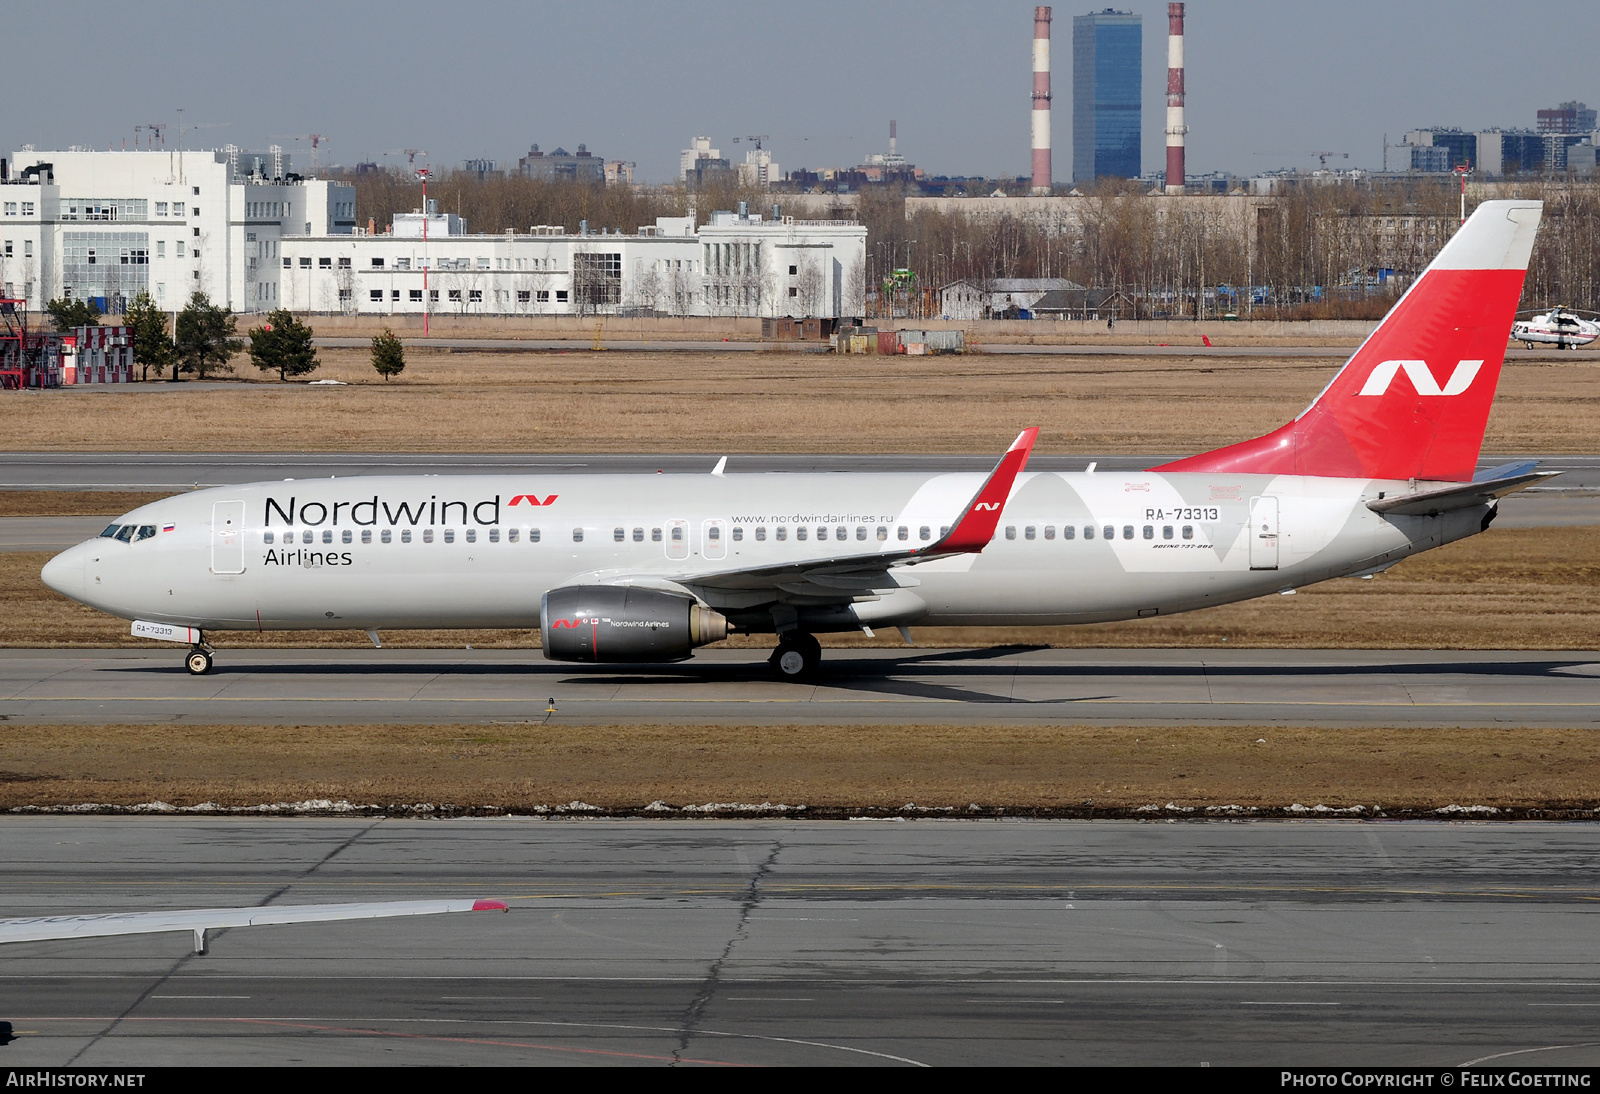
(1464, 496)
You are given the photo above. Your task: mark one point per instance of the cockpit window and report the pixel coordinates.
(110, 531)
(125, 533)
(146, 531)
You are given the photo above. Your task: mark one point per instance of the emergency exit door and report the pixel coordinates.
(227, 537)
(1264, 533)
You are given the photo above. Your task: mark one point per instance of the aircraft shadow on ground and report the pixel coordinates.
(903, 675)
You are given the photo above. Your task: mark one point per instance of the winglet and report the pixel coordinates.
(981, 516)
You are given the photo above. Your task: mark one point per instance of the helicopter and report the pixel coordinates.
(1559, 327)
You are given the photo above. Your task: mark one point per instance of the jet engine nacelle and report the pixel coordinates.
(621, 623)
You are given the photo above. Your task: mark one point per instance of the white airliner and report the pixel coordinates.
(645, 568)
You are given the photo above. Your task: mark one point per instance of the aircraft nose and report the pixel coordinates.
(64, 573)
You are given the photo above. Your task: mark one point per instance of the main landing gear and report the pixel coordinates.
(797, 657)
(198, 662)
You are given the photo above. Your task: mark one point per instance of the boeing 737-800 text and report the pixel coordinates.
(618, 568)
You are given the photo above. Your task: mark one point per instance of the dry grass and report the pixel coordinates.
(1533, 588)
(623, 401)
(72, 503)
(624, 767)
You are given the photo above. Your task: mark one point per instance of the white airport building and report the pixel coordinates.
(108, 225)
(253, 236)
(738, 265)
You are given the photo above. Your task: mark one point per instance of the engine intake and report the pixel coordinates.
(621, 623)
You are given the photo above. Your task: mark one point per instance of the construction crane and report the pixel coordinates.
(157, 129)
(1322, 157)
(316, 139)
(757, 139)
(410, 154)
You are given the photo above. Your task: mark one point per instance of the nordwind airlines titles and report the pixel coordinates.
(638, 569)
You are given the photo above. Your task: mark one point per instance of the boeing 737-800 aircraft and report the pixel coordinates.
(617, 568)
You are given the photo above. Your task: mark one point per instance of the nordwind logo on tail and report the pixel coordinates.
(1421, 378)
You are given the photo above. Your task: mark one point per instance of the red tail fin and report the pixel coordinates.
(1414, 400)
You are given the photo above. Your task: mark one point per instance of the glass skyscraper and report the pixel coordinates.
(1107, 62)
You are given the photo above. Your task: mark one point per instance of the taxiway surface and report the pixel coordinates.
(1003, 685)
(777, 942)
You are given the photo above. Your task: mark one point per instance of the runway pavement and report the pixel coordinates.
(866, 943)
(1004, 685)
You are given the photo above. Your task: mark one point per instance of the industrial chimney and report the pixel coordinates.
(893, 152)
(1175, 127)
(1041, 100)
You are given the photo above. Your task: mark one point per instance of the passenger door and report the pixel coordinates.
(227, 537)
(1264, 533)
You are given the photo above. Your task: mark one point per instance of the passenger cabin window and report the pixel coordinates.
(386, 535)
(902, 533)
(677, 533)
(346, 536)
(449, 535)
(783, 533)
(405, 535)
(1028, 532)
(1069, 530)
(841, 533)
(1149, 531)
(266, 537)
(638, 535)
(800, 534)
(883, 533)
(761, 533)
(533, 535)
(861, 532)
(494, 535)
(655, 535)
(427, 535)
(1127, 531)
(306, 536)
(620, 535)
(511, 535)
(1088, 532)
(327, 535)
(714, 534)
(1166, 531)
(472, 535)
(924, 533)
(1011, 531)
(1049, 531)
(1188, 531)
(738, 534)
(577, 535)
(1109, 532)
(366, 535)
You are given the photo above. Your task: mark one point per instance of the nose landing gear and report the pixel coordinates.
(797, 657)
(198, 662)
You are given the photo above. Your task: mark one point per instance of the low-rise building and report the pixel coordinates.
(105, 226)
(737, 265)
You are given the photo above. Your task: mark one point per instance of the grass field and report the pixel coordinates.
(1506, 589)
(520, 768)
(620, 401)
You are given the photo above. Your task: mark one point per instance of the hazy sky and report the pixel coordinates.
(1268, 83)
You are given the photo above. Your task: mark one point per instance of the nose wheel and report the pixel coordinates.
(198, 662)
(797, 657)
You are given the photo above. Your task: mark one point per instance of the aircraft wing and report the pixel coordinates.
(843, 576)
(201, 920)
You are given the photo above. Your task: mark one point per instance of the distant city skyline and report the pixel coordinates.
(1270, 85)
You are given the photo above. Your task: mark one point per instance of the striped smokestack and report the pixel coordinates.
(1175, 127)
(1041, 100)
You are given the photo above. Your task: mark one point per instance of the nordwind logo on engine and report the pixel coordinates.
(1421, 377)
